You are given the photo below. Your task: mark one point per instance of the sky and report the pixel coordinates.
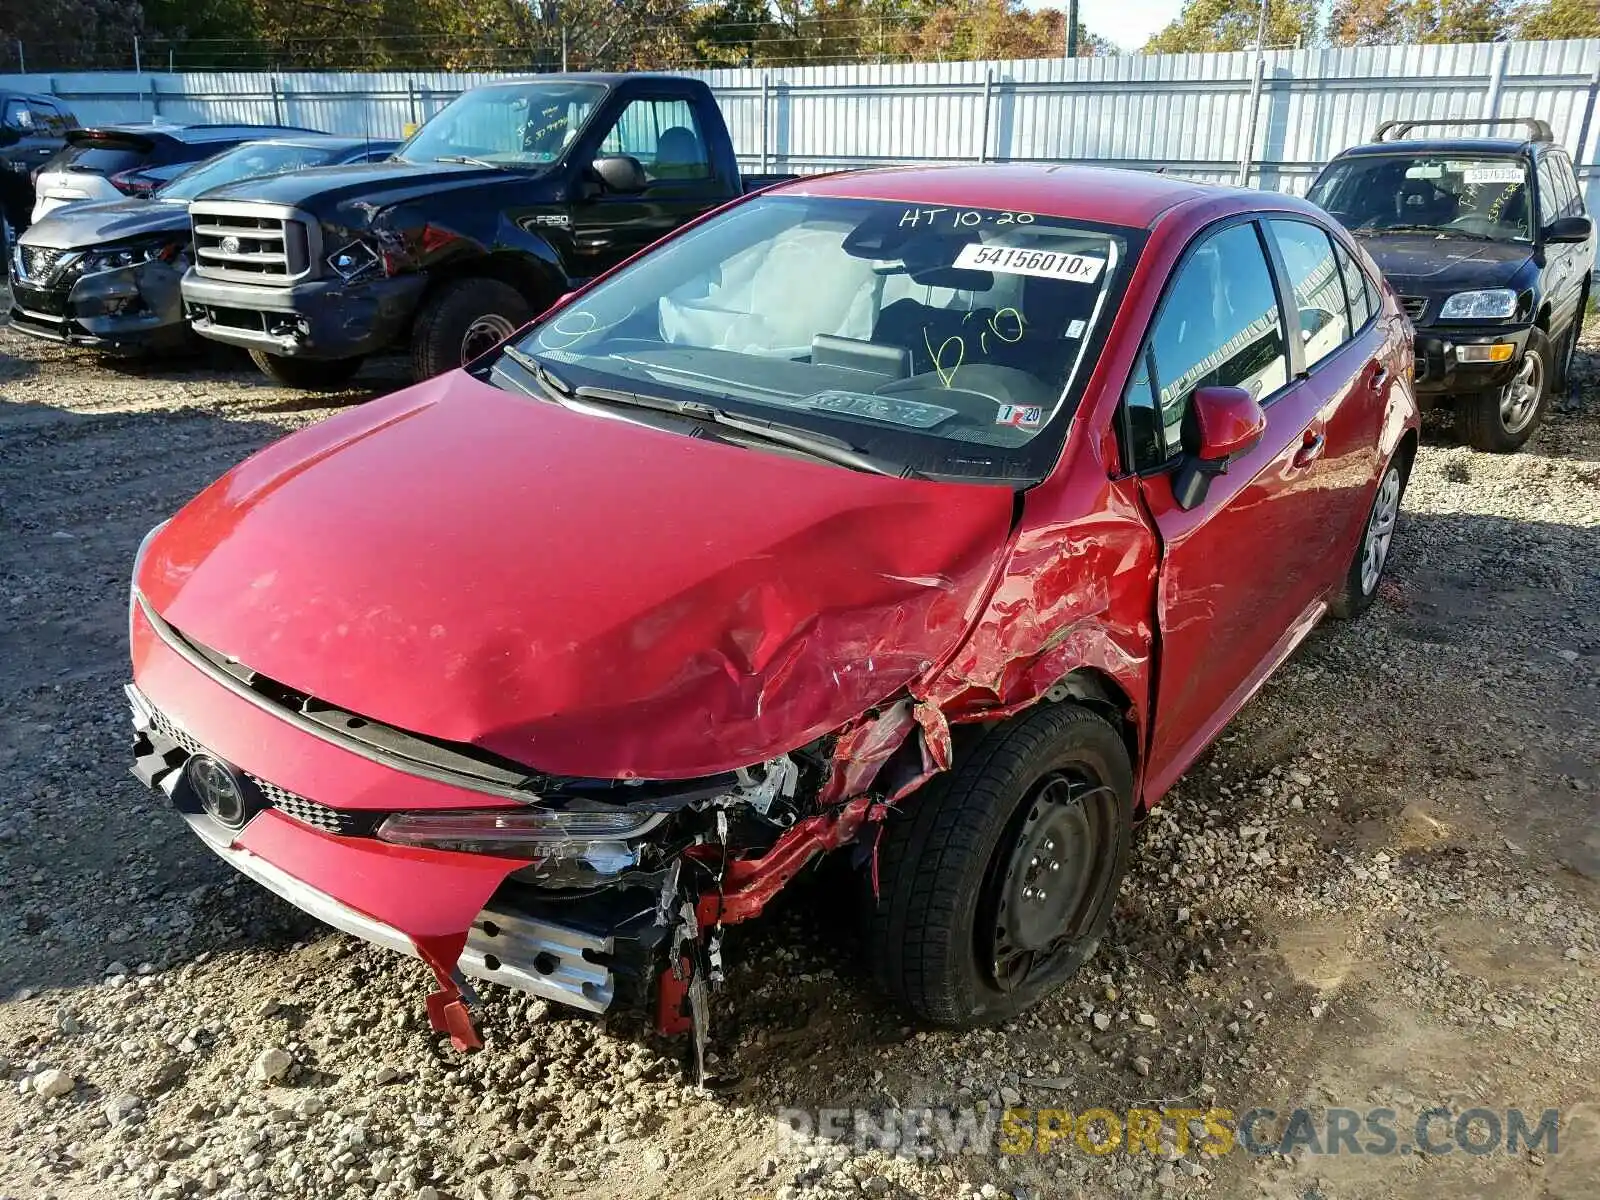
(1129, 23)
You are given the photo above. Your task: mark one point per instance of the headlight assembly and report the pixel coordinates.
(129, 256)
(1476, 306)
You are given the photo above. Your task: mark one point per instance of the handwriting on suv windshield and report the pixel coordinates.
(1004, 326)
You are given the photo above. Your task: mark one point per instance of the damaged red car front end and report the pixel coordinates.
(347, 649)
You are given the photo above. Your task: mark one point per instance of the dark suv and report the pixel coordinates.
(1488, 245)
(33, 129)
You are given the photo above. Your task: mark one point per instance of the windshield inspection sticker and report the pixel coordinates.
(1023, 416)
(1014, 260)
(1509, 173)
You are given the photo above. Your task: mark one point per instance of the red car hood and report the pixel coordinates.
(578, 594)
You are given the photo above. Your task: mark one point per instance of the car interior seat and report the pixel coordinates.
(679, 155)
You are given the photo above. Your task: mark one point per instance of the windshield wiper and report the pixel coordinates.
(555, 388)
(818, 445)
(466, 159)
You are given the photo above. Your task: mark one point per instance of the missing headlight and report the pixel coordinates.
(354, 261)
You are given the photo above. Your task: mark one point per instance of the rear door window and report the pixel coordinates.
(1358, 289)
(1318, 290)
(48, 118)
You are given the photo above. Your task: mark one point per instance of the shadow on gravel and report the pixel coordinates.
(96, 868)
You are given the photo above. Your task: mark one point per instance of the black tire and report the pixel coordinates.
(462, 319)
(936, 932)
(1360, 587)
(1481, 419)
(307, 374)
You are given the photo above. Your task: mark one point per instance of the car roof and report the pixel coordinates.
(604, 78)
(196, 133)
(1105, 195)
(1464, 145)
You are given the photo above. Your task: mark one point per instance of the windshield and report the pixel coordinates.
(244, 162)
(505, 125)
(1458, 194)
(952, 340)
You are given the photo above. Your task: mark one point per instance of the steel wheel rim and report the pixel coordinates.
(484, 334)
(1044, 900)
(1380, 531)
(1520, 399)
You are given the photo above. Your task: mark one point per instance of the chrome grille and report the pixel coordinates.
(1416, 306)
(39, 264)
(250, 243)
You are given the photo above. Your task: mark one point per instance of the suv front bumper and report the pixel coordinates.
(125, 309)
(320, 319)
(1440, 371)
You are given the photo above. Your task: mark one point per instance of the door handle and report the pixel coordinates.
(1310, 449)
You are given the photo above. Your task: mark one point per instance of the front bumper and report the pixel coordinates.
(1441, 374)
(126, 309)
(320, 319)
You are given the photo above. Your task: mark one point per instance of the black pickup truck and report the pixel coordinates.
(511, 196)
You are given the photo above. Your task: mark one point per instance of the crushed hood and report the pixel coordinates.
(575, 593)
(81, 226)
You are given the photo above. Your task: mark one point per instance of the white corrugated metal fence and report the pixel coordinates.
(1196, 115)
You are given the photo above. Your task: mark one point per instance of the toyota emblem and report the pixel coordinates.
(230, 245)
(219, 789)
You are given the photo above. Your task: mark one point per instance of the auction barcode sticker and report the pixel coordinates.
(1510, 173)
(1015, 260)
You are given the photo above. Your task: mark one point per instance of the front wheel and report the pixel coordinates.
(1503, 421)
(461, 320)
(997, 881)
(307, 374)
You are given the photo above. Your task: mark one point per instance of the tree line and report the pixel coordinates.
(654, 34)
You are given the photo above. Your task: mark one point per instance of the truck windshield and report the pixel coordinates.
(1456, 194)
(243, 162)
(954, 340)
(512, 125)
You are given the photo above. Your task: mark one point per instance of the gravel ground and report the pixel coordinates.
(1379, 889)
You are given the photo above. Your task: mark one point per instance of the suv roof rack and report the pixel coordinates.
(1537, 130)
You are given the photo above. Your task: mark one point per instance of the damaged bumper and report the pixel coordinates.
(126, 309)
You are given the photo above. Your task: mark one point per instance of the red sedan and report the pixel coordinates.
(943, 514)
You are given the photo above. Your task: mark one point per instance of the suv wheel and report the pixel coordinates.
(307, 374)
(998, 879)
(1503, 421)
(463, 319)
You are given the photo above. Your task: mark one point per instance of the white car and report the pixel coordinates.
(116, 161)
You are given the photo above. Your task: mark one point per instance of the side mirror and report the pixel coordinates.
(621, 173)
(1228, 422)
(1569, 229)
(9, 136)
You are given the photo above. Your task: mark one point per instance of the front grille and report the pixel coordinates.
(250, 243)
(298, 808)
(37, 300)
(1416, 306)
(309, 812)
(38, 264)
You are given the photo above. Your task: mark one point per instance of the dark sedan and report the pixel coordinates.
(106, 275)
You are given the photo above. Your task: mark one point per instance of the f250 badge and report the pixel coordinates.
(560, 220)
